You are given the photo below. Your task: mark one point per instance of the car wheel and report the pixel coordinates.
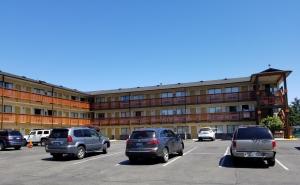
(180, 152)
(271, 162)
(165, 156)
(80, 152)
(1, 146)
(104, 148)
(24, 142)
(17, 147)
(199, 139)
(43, 142)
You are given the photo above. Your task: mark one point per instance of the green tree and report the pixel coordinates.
(294, 116)
(272, 122)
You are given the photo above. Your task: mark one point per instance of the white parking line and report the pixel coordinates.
(283, 166)
(171, 161)
(95, 158)
(223, 159)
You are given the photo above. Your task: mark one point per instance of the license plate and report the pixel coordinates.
(252, 154)
(139, 144)
(56, 143)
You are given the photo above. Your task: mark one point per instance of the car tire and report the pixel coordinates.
(43, 142)
(271, 162)
(199, 139)
(1, 146)
(24, 142)
(80, 152)
(57, 156)
(104, 148)
(17, 147)
(165, 157)
(180, 152)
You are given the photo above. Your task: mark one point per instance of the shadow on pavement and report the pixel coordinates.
(70, 157)
(298, 148)
(145, 162)
(227, 162)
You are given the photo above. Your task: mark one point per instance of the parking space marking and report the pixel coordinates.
(282, 165)
(222, 162)
(95, 158)
(178, 157)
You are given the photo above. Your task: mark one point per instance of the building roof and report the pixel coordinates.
(40, 82)
(172, 86)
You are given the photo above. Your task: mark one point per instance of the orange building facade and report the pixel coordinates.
(184, 107)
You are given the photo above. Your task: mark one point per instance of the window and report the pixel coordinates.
(78, 133)
(142, 134)
(231, 128)
(214, 91)
(101, 115)
(40, 132)
(59, 133)
(73, 98)
(232, 109)
(100, 99)
(124, 98)
(8, 85)
(167, 112)
(38, 91)
(82, 99)
(138, 113)
(231, 90)
(49, 93)
(182, 130)
(125, 131)
(74, 115)
(166, 95)
(245, 107)
(125, 114)
(46, 132)
(94, 133)
(86, 133)
(8, 108)
(1, 84)
(137, 97)
(220, 129)
(180, 94)
(253, 133)
(180, 111)
(82, 115)
(214, 109)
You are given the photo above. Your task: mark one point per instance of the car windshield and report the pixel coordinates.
(253, 133)
(59, 133)
(142, 135)
(204, 129)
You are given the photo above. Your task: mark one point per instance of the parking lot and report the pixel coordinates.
(202, 163)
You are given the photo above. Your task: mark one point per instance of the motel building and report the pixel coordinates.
(184, 107)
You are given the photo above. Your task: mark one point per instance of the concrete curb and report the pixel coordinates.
(282, 139)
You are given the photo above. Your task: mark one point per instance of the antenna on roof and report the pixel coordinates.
(269, 65)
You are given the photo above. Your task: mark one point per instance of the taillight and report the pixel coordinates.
(274, 144)
(234, 144)
(153, 142)
(69, 139)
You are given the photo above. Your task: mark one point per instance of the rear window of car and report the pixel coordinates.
(46, 132)
(253, 133)
(204, 129)
(59, 133)
(78, 133)
(142, 135)
(14, 133)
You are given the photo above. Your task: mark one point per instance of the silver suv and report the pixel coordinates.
(253, 142)
(76, 141)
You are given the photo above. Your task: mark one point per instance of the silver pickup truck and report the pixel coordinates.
(254, 142)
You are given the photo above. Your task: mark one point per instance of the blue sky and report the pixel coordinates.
(97, 45)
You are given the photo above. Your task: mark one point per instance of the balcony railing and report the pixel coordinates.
(11, 93)
(187, 100)
(42, 120)
(188, 118)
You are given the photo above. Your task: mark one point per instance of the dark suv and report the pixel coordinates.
(153, 143)
(10, 139)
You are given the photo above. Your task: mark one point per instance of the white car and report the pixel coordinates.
(206, 133)
(37, 136)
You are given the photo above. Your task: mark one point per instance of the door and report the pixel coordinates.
(88, 140)
(96, 140)
(32, 136)
(174, 140)
(38, 136)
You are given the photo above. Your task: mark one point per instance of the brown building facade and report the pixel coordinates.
(184, 107)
